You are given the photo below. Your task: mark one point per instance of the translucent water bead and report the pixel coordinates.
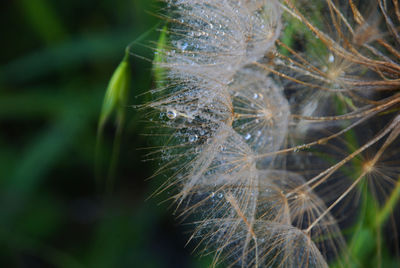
(171, 114)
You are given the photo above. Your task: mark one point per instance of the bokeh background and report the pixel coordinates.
(56, 59)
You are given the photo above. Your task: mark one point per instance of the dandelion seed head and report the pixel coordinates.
(263, 121)
(234, 104)
(213, 39)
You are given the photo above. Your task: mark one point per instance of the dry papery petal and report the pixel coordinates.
(213, 39)
(260, 219)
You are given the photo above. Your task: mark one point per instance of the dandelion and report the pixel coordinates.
(265, 127)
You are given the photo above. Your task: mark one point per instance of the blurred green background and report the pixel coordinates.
(56, 60)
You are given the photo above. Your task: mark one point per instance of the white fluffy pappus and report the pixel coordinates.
(224, 115)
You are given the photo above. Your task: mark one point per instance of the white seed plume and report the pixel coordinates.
(225, 114)
(212, 39)
(261, 110)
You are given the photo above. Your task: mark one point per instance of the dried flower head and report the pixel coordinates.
(245, 96)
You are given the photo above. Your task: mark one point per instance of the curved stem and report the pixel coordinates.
(387, 209)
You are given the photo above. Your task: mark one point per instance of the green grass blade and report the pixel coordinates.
(115, 97)
(43, 19)
(67, 55)
(158, 70)
(389, 206)
(114, 101)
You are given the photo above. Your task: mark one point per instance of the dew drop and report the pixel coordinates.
(192, 138)
(171, 114)
(182, 46)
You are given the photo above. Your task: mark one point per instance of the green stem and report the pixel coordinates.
(115, 154)
(388, 207)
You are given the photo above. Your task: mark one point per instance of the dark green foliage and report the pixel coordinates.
(56, 60)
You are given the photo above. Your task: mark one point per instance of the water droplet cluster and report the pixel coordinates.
(224, 114)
